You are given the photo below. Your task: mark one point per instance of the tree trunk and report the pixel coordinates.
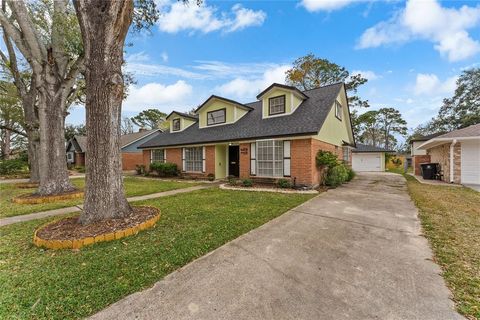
(104, 26)
(51, 113)
(31, 129)
(6, 150)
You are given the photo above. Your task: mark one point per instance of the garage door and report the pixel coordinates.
(470, 162)
(367, 161)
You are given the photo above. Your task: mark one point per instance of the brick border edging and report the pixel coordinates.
(23, 199)
(79, 243)
(285, 191)
(26, 185)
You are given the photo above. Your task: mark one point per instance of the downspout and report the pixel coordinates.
(452, 162)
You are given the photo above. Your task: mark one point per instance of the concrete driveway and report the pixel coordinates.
(351, 253)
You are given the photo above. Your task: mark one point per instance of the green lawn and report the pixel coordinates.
(133, 187)
(451, 221)
(45, 284)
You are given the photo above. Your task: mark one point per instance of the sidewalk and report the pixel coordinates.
(2, 181)
(61, 211)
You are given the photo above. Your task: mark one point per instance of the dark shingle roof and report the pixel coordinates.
(308, 118)
(284, 87)
(224, 99)
(367, 148)
(183, 114)
(125, 139)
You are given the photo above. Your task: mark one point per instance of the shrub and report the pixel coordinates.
(232, 181)
(164, 169)
(336, 176)
(397, 162)
(326, 158)
(12, 166)
(284, 183)
(247, 183)
(140, 168)
(211, 177)
(351, 174)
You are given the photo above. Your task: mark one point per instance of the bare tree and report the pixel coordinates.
(54, 72)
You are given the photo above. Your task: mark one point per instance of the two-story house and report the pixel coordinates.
(277, 136)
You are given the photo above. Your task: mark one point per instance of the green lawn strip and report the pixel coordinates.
(451, 221)
(46, 284)
(133, 187)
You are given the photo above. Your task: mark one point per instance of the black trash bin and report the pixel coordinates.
(429, 170)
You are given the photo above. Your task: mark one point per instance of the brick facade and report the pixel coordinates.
(303, 169)
(417, 160)
(441, 155)
(130, 160)
(79, 159)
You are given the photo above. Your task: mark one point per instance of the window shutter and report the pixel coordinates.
(183, 159)
(253, 159)
(164, 155)
(151, 156)
(203, 159)
(286, 158)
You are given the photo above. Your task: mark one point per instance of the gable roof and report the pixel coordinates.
(471, 131)
(307, 119)
(283, 86)
(425, 138)
(183, 114)
(125, 139)
(223, 99)
(368, 148)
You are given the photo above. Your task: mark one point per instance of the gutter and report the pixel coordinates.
(452, 145)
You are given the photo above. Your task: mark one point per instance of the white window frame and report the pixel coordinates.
(224, 111)
(179, 124)
(346, 151)
(273, 102)
(186, 162)
(164, 155)
(276, 163)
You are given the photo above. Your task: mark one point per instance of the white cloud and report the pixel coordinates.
(178, 16)
(427, 19)
(157, 95)
(430, 84)
(246, 89)
(325, 5)
(368, 74)
(164, 56)
(140, 64)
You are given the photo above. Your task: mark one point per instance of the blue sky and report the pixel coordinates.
(411, 52)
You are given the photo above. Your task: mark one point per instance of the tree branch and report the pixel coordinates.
(23, 134)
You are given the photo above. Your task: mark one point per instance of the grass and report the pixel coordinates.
(133, 187)
(44, 284)
(451, 221)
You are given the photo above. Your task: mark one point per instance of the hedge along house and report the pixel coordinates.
(278, 136)
(131, 155)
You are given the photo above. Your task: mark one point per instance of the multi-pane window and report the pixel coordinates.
(158, 155)
(176, 124)
(193, 159)
(346, 154)
(269, 158)
(276, 105)
(338, 110)
(216, 117)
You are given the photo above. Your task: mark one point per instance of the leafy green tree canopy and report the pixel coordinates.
(149, 119)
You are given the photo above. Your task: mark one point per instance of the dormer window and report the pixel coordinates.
(338, 110)
(276, 105)
(216, 117)
(176, 124)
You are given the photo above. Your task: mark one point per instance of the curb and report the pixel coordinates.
(79, 243)
(24, 199)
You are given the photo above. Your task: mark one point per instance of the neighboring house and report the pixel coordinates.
(458, 153)
(420, 156)
(131, 155)
(277, 136)
(368, 158)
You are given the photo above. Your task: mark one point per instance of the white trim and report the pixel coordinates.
(431, 143)
(452, 159)
(204, 167)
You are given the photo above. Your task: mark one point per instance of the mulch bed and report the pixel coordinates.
(71, 229)
(27, 185)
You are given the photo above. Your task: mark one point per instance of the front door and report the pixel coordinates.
(234, 161)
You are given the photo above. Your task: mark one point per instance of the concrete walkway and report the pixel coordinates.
(2, 181)
(352, 253)
(57, 212)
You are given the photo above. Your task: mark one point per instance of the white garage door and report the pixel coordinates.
(367, 162)
(470, 162)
